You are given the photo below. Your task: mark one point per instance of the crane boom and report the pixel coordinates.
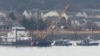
(43, 34)
(63, 11)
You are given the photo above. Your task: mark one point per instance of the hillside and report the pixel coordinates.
(20, 5)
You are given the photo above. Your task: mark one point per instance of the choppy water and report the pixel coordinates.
(51, 51)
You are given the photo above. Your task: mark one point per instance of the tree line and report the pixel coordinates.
(34, 25)
(30, 24)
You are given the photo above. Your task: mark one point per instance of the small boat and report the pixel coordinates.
(61, 43)
(87, 42)
(42, 43)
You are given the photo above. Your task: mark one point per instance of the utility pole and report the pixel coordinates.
(16, 36)
(92, 32)
(75, 33)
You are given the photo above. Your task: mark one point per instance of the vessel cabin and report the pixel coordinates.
(18, 33)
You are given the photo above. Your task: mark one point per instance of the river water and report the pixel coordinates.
(51, 51)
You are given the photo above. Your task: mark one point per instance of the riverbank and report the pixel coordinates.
(64, 34)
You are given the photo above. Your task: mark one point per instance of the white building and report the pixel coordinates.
(17, 33)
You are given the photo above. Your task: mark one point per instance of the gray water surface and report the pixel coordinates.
(51, 51)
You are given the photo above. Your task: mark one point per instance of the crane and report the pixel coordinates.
(43, 34)
(62, 14)
(52, 27)
(63, 11)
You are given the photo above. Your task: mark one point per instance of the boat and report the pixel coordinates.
(61, 43)
(87, 42)
(42, 43)
(16, 37)
(42, 40)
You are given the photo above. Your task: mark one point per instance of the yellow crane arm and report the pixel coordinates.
(63, 11)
